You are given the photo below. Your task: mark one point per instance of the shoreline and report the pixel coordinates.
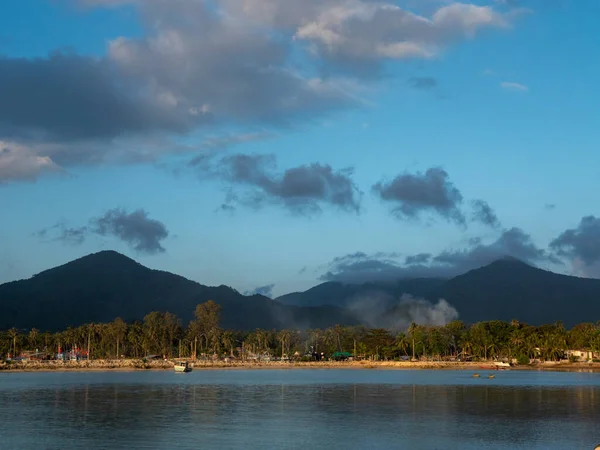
(130, 365)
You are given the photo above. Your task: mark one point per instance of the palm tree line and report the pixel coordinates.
(162, 333)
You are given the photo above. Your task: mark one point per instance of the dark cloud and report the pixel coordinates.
(421, 258)
(581, 243)
(423, 83)
(267, 291)
(70, 97)
(360, 267)
(135, 228)
(513, 242)
(224, 207)
(83, 108)
(483, 213)
(301, 189)
(62, 233)
(224, 63)
(418, 193)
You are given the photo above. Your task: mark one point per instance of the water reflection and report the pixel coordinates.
(282, 414)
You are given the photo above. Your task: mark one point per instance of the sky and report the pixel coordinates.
(271, 145)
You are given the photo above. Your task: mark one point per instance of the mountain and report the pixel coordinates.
(506, 289)
(106, 285)
(345, 295)
(509, 289)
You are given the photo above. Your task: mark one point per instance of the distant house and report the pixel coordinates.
(34, 356)
(581, 355)
(75, 354)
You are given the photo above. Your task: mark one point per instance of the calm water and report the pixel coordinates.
(298, 409)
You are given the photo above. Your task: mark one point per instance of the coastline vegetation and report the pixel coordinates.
(162, 334)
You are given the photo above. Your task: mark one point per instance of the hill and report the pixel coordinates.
(345, 295)
(506, 289)
(510, 289)
(105, 285)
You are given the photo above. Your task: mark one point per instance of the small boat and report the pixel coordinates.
(183, 366)
(475, 375)
(491, 376)
(496, 366)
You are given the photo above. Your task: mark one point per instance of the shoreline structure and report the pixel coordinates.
(101, 365)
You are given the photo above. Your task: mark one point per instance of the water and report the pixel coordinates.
(299, 409)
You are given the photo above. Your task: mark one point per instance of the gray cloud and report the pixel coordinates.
(267, 291)
(581, 243)
(225, 207)
(85, 106)
(135, 228)
(70, 97)
(423, 83)
(513, 242)
(62, 233)
(483, 213)
(219, 64)
(421, 258)
(302, 189)
(18, 162)
(415, 194)
(361, 267)
(229, 140)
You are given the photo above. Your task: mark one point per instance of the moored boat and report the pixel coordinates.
(183, 366)
(496, 366)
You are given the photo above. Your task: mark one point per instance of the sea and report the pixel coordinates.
(300, 409)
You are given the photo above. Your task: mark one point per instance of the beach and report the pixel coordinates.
(139, 364)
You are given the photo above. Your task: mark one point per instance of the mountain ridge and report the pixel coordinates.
(104, 285)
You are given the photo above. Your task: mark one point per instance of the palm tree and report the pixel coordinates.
(283, 336)
(338, 330)
(517, 339)
(172, 327)
(228, 342)
(119, 331)
(402, 343)
(33, 338)
(13, 333)
(411, 332)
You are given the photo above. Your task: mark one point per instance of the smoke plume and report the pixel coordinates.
(380, 310)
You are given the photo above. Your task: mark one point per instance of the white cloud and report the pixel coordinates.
(18, 162)
(223, 64)
(514, 87)
(357, 32)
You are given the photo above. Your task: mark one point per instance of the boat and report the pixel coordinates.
(496, 366)
(183, 366)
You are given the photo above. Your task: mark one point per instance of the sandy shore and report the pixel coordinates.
(138, 364)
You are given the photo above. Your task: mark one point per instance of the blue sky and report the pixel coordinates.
(264, 142)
